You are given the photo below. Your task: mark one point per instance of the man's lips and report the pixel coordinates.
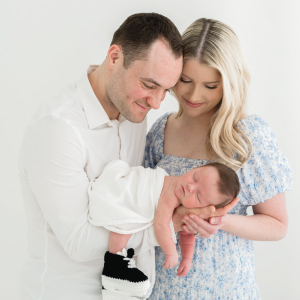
(193, 105)
(143, 108)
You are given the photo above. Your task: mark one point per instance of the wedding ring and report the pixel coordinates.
(196, 234)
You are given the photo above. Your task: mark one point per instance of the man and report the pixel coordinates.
(70, 139)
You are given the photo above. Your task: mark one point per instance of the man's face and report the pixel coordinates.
(134, 91)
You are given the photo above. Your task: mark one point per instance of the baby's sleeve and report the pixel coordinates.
(267, 171)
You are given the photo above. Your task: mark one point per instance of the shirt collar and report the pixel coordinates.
(95, 113)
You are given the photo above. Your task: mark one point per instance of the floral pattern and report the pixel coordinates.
(222, 266)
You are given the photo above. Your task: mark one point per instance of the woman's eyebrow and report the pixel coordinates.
(186, 76)
(210, 82)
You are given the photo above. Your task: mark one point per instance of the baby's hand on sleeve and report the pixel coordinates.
(184, 267)
(171, 260)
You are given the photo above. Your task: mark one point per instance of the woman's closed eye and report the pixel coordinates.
(184, 81)
(211, 87)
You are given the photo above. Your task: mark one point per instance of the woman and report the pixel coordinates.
(211, 125)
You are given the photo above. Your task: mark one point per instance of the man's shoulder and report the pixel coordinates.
(65, 106)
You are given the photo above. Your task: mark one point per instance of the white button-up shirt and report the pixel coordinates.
(67, 144)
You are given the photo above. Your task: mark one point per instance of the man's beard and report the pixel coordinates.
(116, 98)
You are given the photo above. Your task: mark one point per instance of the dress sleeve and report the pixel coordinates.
(267, 172)
(155, 143)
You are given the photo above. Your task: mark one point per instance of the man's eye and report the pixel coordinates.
(211, 87)
(148, 87)
(185, 81)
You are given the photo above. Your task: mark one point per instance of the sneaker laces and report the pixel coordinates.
(131, 261)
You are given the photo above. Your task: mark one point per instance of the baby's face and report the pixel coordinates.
(199, 188)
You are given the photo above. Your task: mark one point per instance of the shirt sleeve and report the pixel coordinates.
(267, 172)
(52, 160)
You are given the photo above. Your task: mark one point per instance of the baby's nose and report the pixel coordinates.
(190, 188)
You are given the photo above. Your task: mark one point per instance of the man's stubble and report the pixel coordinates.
(116, 97)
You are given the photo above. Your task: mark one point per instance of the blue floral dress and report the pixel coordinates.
(222, 266)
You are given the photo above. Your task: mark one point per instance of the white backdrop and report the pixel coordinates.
(44, 45)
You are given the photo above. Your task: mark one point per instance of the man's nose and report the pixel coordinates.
(156, 98)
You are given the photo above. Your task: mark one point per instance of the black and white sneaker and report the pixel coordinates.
(121, 277)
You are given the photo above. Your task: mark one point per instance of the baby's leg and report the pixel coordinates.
(117, 242)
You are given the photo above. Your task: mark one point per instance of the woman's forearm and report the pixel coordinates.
(258, 227)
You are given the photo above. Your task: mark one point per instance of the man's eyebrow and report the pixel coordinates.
(150, 80)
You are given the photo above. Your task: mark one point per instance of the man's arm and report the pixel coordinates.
(53, 162)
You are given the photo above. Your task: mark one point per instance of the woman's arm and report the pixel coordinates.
(269, 222)
(217, 218)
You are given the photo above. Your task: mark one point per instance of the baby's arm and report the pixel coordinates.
(163, 232)
(187, 243)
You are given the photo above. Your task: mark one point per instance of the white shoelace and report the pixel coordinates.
(131, 261)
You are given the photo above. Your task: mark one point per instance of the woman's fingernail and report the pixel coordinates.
(192, 217)
(212, 221)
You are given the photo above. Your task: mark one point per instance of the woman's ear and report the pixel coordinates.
(114, 56)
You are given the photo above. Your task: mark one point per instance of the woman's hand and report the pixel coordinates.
(206, 221)
(181, 212)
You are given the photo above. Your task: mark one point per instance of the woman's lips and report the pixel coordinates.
(193, 105)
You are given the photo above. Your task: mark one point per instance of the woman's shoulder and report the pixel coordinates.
(255, 127)
(252, 122)
(160, 124)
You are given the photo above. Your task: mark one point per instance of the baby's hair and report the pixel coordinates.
(228, 183)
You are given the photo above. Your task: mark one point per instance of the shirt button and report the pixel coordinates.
(109, 124)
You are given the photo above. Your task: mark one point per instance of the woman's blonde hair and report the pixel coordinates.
(215, 44)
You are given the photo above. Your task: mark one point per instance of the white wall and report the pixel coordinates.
(44, 45)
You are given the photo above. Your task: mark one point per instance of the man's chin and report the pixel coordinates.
(136, 118)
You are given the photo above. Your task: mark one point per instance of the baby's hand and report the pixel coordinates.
(184, 267)
(171, 260)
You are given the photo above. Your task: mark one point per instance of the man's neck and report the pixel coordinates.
(98, 81)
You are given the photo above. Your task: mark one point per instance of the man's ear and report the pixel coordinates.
(114, 56)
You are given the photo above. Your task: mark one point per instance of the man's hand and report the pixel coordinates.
(206, 221)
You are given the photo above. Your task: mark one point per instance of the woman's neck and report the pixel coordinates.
(198, 125)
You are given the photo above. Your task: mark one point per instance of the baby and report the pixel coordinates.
(125, 200)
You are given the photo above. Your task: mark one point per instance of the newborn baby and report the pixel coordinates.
(125, 200)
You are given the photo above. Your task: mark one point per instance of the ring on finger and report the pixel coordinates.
(196, 235)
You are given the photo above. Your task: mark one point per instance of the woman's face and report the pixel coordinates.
(199, 89)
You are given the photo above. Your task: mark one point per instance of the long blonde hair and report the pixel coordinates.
(215, 44)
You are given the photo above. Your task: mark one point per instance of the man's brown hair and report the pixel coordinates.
(228, 183)
(139, 31)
